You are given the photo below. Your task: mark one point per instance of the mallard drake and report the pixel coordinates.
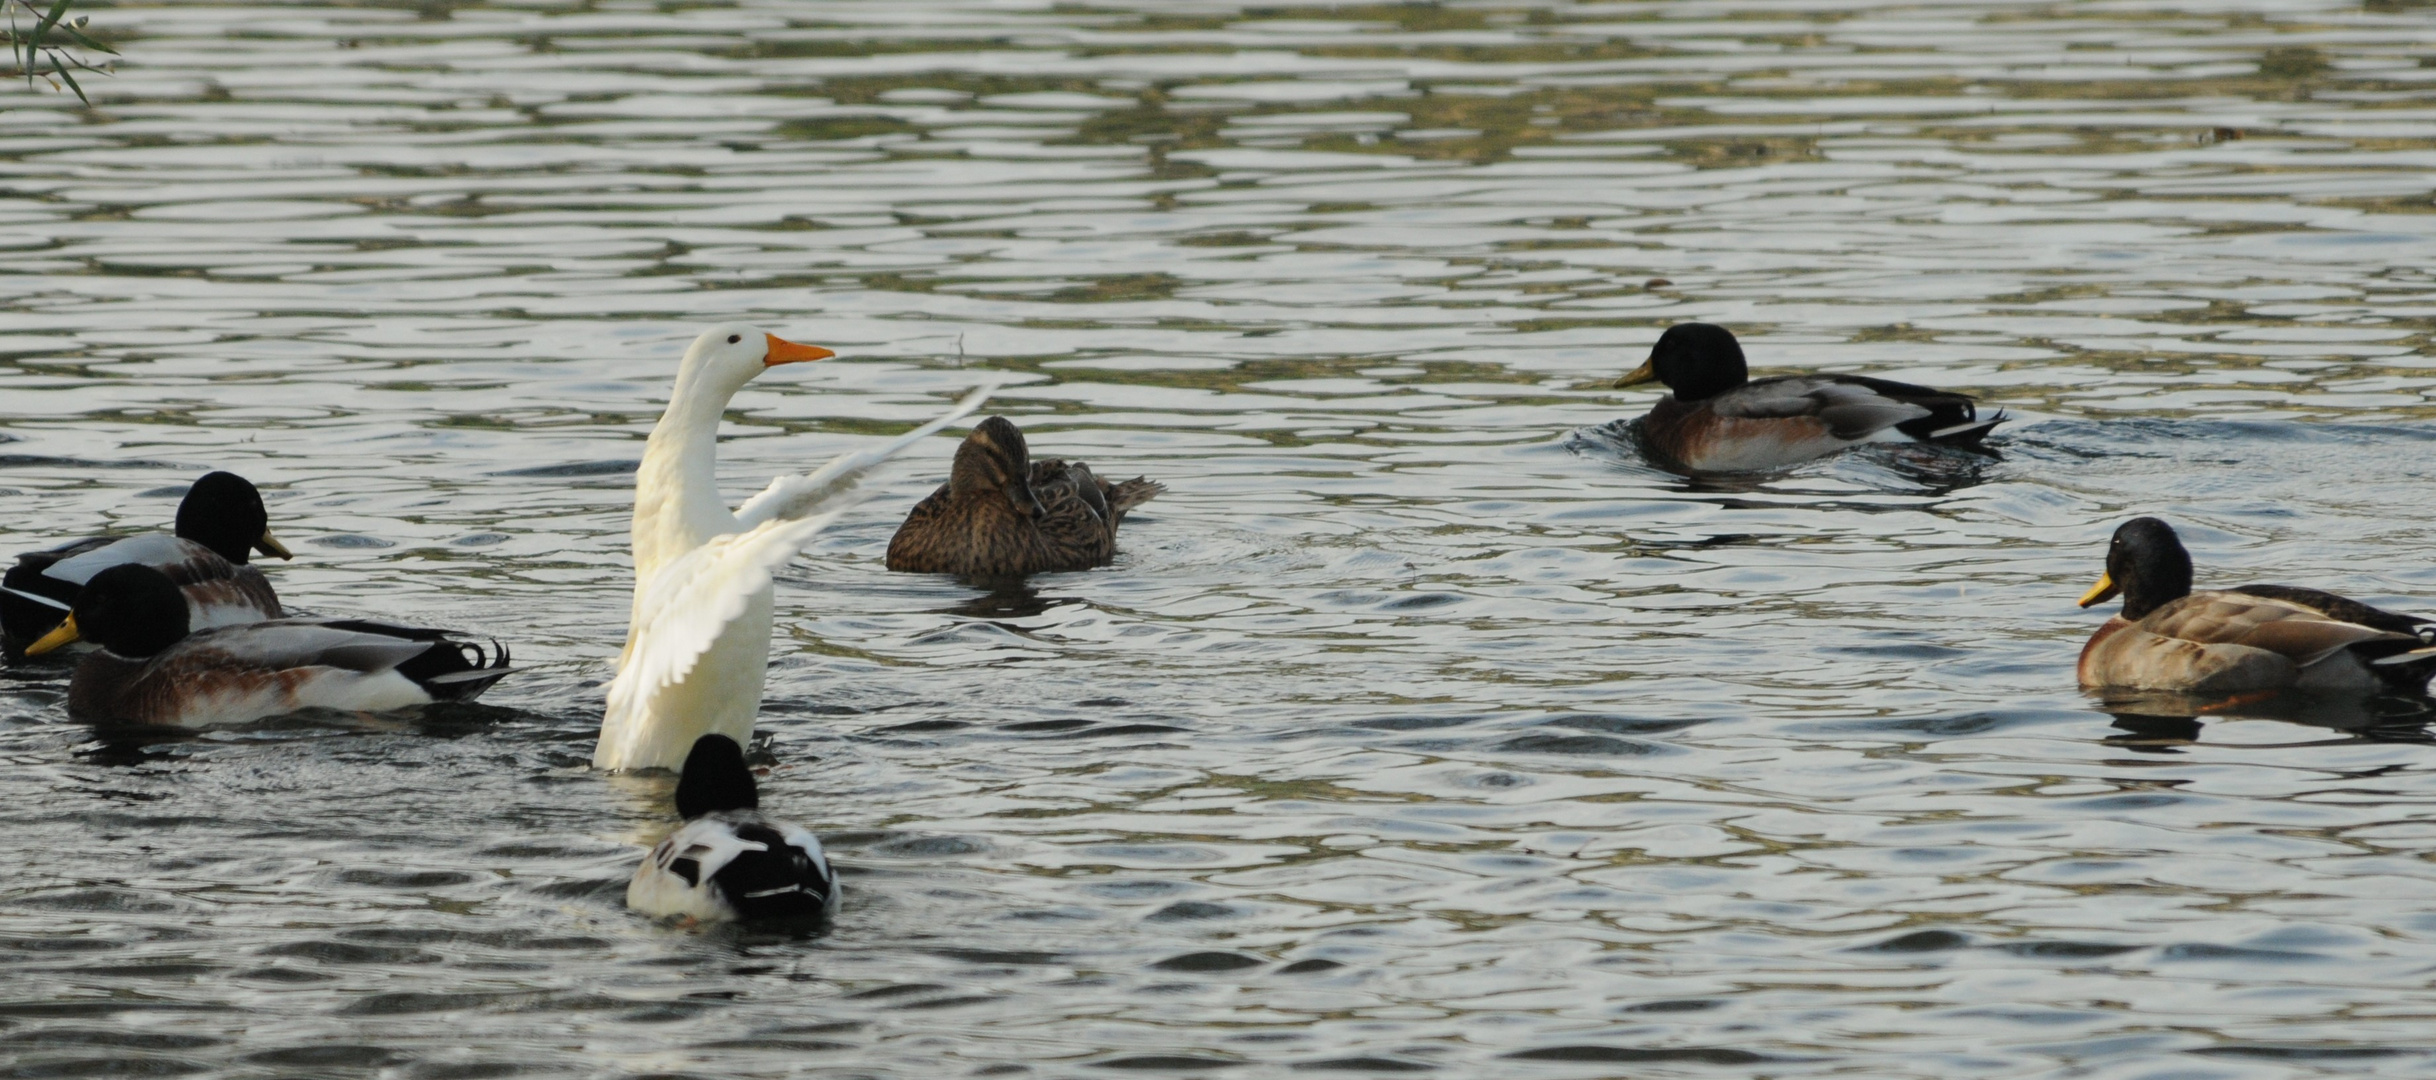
(728, 861)
(2226, 641)
(698, 638)
(1719, 419)
(220, 523)
(1002, 514)
(150, 670)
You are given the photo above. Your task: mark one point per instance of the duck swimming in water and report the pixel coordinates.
(1002, 514)
(1719, 419)
(2256, 637)
(727, 861)
(698, 637)
(150, 670)
(220, 523)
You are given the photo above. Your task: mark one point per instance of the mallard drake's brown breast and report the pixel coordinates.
(1718, 419)
(1002, 514)
(2256, 637)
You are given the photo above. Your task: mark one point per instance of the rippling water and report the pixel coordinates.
(1422, 726)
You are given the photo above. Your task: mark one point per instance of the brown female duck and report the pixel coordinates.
(2231, 641)
(1002, 514)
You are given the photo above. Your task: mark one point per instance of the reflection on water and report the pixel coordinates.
(2159, 718)
(1425, 724)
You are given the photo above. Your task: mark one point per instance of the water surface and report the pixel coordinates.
(1423, 725)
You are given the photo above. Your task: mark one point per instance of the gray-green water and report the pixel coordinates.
(1422, 726)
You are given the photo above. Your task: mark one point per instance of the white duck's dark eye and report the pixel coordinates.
(734, 338)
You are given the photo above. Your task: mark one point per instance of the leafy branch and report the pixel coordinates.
(54, 38)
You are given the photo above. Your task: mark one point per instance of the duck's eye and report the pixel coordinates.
(734, 338)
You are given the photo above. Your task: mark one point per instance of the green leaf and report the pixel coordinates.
(63, 73)
(85, 42)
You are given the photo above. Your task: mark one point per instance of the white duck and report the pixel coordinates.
(698, 640)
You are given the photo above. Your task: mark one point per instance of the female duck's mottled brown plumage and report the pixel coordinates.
(1001, 514)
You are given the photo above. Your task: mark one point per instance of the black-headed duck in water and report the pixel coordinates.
(220, 523)
(1719, 419)
(2256, 637)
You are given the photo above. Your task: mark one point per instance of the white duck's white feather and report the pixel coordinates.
(796, 496)
(679, 622)
(698, 636)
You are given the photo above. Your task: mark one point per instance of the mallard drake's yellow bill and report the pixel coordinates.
(270, 545)
(2103, 591)
(63, 634)
(1645, 373)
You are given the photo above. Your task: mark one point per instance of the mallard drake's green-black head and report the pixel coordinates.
(2147, 564)
(223, 511)
(132, 610)
(1695, 360)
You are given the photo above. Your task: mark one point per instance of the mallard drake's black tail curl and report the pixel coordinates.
(2256, 637)
(1002, 514)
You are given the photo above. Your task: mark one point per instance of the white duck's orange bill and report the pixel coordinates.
(783, 351)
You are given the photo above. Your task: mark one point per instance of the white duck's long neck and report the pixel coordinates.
(676, 492)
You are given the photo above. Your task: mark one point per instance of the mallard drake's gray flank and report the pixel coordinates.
(1719, 419)
(150, 670)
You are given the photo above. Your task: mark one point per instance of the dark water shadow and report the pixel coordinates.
(2162, 723)
(1004, 598)
(133, 745)
(745, 940)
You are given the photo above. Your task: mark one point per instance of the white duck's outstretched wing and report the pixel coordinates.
(692, 600)
(681, 612)
(797, 496)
